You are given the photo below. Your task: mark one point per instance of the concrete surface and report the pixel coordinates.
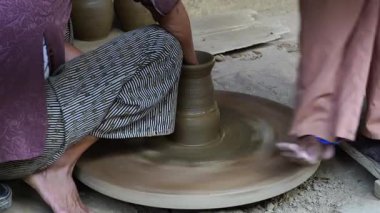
(240, 28)
(340, 185)
(205, 7)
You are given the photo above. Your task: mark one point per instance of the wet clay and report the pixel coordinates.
(132, 15)
(222, 153)
(92, 19)
(198, 117)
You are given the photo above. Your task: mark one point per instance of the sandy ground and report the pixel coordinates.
(340, 185)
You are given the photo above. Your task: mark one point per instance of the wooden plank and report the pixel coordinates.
(371, 165)
(376, 189)
(222, 22)
(233, 40)
(225, 32)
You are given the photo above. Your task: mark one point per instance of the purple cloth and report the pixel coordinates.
(163, 7)
(24, 24)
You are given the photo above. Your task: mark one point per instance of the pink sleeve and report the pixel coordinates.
(163, 7)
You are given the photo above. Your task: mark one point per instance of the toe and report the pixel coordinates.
(297, 154)
(328, 152)
(285, 146)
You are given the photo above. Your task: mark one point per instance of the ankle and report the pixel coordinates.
(307, 140)
(320, 140)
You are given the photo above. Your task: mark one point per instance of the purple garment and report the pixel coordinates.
(24, 24)
(23, 115)
(163, 7)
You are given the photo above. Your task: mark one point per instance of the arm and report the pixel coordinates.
(176, 21)
(71, 52)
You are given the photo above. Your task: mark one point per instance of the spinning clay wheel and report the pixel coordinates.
(222, 153)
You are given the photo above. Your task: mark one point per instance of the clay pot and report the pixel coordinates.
(132, 15)
(92, 19)
(198, 116)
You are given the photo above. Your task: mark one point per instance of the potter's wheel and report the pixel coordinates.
(239, 166)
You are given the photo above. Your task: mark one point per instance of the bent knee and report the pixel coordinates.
(165, 44)
(156, 44)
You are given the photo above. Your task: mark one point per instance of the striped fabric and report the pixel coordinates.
(69, 33)
(124, 89)
(5, 197)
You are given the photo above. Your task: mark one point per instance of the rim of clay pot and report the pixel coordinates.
(206, 63)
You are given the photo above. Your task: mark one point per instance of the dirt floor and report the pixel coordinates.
(340, 185)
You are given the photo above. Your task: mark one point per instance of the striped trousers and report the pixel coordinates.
(126, 88)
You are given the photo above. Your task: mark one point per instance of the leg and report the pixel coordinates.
(129, 75)
(150, 98)
(372, 122)
(306, 151)
(64, 198)
(121, 94)
(369, 143)
(55, 184)
(332, 32)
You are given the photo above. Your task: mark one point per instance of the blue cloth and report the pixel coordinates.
(326, 142)
(161, 6)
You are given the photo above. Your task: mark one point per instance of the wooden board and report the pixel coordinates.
(371, 165)
(234, 30)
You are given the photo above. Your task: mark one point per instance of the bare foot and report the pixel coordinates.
(306, 151)
(56, 185)
(58, 190)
